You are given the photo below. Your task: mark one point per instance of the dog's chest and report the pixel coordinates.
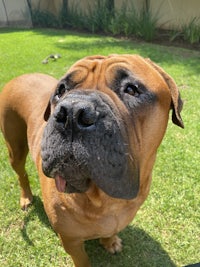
(104, 221)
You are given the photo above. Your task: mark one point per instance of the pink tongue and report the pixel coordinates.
(60, 183)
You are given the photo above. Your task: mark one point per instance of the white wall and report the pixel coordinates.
(14, 13)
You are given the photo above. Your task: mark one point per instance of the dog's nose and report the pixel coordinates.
(79, 114)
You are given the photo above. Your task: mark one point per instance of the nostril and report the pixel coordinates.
(86, 118)
(61, 115)
(76, 115)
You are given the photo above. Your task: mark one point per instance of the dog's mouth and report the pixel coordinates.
(67, 161)
(63, 186)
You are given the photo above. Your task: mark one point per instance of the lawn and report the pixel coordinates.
(166, 230)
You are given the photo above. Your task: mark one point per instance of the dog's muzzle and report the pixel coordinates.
(84, 140)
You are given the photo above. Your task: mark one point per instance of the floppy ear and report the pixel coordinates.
(177, 103)
(60, 89)
(47, 112)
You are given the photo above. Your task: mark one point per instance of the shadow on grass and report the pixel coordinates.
(36, 210)
(87, 43)
(139, 248)
(110, 45)
(160, 54)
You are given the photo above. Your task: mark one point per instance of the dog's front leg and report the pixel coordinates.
(75, 248)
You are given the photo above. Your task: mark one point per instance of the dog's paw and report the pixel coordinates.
(25, 202)
(112, 244)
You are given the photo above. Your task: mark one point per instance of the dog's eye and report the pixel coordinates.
(132, 89)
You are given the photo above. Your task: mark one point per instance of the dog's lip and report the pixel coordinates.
(61, 183)
(63, 186)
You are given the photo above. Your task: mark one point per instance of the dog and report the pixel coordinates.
(93, 136)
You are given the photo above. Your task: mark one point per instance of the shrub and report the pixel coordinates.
(147, 24)
(191, 32)
(188, 32)
(101, 16)
(98, 17)
(71, 17)
(44, 19)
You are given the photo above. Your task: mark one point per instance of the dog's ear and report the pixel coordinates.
(47, 112)
(177, 103)
(62, 86)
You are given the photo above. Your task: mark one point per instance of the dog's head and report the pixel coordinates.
(106, 120)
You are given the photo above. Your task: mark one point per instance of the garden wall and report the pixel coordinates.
(171, 13)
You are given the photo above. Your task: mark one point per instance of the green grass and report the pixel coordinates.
(166, 230)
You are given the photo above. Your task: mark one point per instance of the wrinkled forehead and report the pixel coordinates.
(106, 69)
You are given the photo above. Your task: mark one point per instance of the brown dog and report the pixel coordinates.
(105, 120)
